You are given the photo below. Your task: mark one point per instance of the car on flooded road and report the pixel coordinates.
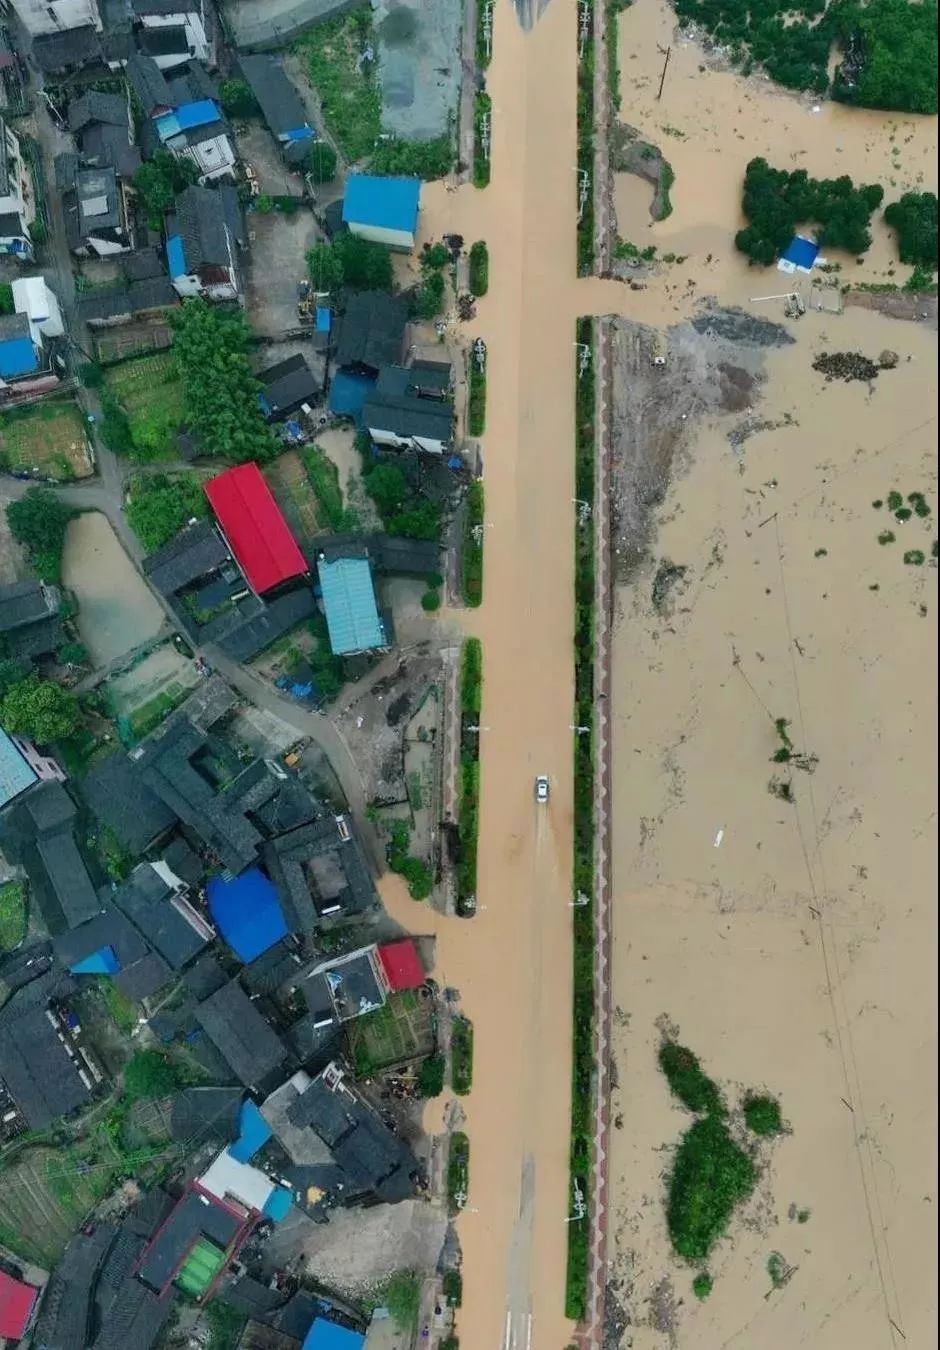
(541, 788)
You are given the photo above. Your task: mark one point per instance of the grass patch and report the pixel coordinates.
(472, 552)
(484, 25)
(224, 1325)
(479, 268)
(702, 1286)
(688, 1081)
(482, 115)
(121, 1010)
(476, 398)
(431, 1076)
(762, 1114)
(458, 1172)
(461, 1056)
(149, 715)
(415, 159)
(583, 869)
(471, 677)
(158, 505)
(348, 90)
(452, 1284)
(401, 1294)
(323, 477)
(47, 440)
(585, 117)
(13, 915)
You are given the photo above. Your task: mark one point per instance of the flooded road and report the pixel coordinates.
(116, 608)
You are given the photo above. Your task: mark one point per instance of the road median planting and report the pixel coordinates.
(472, 555)
(461, 1055)
(468, 810)
(585, 175)
(458, 1172)
(583, 862)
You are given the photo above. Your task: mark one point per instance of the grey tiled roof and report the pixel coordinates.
(121, 800)
(196, 551)
(249, 1045)
(279, 101)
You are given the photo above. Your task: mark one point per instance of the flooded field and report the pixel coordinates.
(791, 942)
(116, 609)
(710, 122)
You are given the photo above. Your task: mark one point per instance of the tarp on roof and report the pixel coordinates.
(247, 913)
(254, 1133)
(186, 118)
(799, 256)
(16, 1304)
(352, 616)
(255, 529)
(348, 394)
(402, 965)
(324, 1335)
(102, 962)
(277, 1206)
(175, 257)
(387, 203)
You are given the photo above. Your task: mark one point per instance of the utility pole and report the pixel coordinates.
(662, 78)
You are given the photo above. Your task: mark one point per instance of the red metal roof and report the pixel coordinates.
(16, 1304)
(402, 965)
(253, 525)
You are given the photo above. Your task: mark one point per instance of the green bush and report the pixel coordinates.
(479, 268)
(40, 709)
(321, 161)
(687, 1081)
(777, 201)
(323, 477)
(483, 109)
(461, 1055)
(471, 677)
(414, 159)
(890, 51)
(158, 182)
(264, 204)
(345, 82)
(38, 521)
(6, 298)
(159, 505)
(476, 399)
(702, 1286)
(710, 1175)
(458, 1171)
(148, 1073)
(431, 601)
(453, 1288)
(401, 1294)
(762, 1114)
(428, 299)
(237, 98)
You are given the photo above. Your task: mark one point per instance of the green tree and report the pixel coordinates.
(776, 202)
(914, 218)
(150, 1074)
(159, 505)
(6, 298)
(402, 1297)
(72, 654)
(479, 268)
(237, 98)
(387, 487)
(221, 393)
(158, 181)
(321, 161)
(762, 1114)
(428, 300)
(40, 709)
(39, 521)
(325, 267)
(431, 1076)
(890, 57)
(367, 266)
(13, 671)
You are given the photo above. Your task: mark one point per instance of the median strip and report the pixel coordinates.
(583, 862)
(472, 552)
(468, 808)
(585, 174)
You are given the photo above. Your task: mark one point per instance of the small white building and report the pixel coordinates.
(40, 17)
(384, 210)
(32, 297)
(17, 204)
(174, 31)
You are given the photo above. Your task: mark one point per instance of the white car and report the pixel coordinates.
(541, 788)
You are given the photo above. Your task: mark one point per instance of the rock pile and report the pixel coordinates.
(847, 366)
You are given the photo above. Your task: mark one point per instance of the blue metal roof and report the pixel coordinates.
(303, 133)
(15, 774)
(324, 319)
(348, 394)
(801, 253)
(101, 962)
(324, 1335)
(246, 912)
(253, 1133)
(175, 257)
(389, 203)
(352, 616)
(186, 118)
(17, 357)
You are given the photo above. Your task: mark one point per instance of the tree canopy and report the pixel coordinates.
(321, 161)
(221, 393)
(359, 264)
(160, 504)
(914, 218)
(39, 521)
(237, 98)
(776, 202)
(40, 709)
(159, 180)
(150, 1074)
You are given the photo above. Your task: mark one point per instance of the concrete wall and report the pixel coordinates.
(398, 239)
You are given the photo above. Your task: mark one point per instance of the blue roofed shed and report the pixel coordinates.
(348, 394)
(352, 616)
(17, 353)
(101, 962)
(324, 1335)
(15, 774)
(246, 912)
(175, 257)
(383, 209)
(201, 113)
(800, 255)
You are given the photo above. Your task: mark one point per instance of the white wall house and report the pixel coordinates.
(384, 210)
(214, 157)
(410, 408)
(202, 244)
(189, 15)
(39, 17)
(17, 204)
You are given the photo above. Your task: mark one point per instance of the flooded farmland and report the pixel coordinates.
(116, 609)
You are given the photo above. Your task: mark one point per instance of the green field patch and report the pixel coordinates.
(47, 440)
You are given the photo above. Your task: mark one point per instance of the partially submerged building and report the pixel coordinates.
(281, 106)
(384, 210)
(410, 408)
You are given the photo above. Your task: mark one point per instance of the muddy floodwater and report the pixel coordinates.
(116, 610)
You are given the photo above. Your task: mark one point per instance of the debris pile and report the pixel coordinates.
(847, 366)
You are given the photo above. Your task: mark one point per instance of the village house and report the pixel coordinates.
(183, 116)
(17, 203)
(94, 205)
(104, 132)
(280, 105)
(410, 408)
(204, 235)
(348, 593)
(55, 16)
(384, 210)
(175, 31)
